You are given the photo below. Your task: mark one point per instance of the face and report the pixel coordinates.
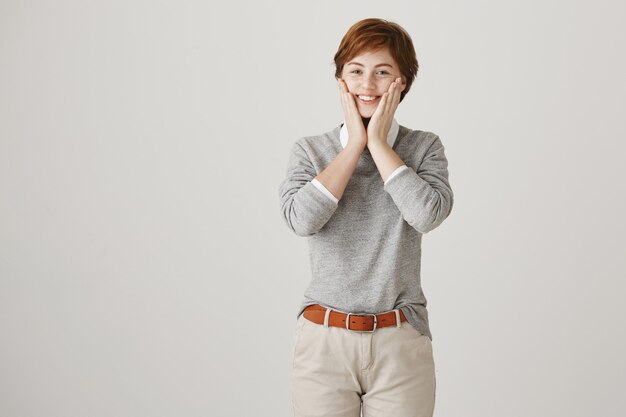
(368, 76)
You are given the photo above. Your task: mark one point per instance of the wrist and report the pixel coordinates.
(355, 148)
(375, 141)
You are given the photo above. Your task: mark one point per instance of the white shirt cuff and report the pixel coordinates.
(323, 189)
(396, 172)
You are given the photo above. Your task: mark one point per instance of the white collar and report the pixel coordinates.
(391, 136)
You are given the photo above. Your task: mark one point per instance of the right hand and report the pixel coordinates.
(356, 130)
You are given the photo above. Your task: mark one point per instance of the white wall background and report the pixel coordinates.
(144, 267)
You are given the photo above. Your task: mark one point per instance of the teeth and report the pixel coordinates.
(367, 98)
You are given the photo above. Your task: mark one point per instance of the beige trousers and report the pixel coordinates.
(342, 373)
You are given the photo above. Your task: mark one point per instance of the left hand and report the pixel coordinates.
(380, 123)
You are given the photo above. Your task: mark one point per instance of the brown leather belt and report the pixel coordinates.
(362, 322)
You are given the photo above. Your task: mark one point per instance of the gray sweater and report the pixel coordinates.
(365, 250)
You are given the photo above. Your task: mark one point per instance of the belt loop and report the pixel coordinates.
(398, 322)
(326, 317)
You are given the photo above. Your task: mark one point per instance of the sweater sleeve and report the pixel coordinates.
(396, 172)
(325, 190)
(304, 207)
(424, 197)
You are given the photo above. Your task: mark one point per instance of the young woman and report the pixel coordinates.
(364, 193)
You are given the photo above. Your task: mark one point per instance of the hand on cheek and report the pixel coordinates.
(379, 125)
(357, 134)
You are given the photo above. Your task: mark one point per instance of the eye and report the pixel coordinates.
(383, 72)
(355, 71)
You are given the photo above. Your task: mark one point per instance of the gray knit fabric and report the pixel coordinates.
(365, 251)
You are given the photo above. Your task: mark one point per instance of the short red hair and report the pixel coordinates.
(373, 34)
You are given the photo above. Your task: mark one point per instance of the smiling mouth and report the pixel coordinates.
(368, 99)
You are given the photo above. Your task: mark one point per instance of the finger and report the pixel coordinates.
(398, 87)
(351, 101)
(347, 94)
(340, 83)
(345, 100)
(380, 110)
(389, 99)
(399, 95)
(344, 91)
(340, 92)
(392, 102)
(351, 110)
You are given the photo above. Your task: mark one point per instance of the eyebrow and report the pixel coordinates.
(379, 65)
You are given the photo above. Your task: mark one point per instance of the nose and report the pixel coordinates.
(368, 82)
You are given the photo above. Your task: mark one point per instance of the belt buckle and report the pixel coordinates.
(361, 314)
